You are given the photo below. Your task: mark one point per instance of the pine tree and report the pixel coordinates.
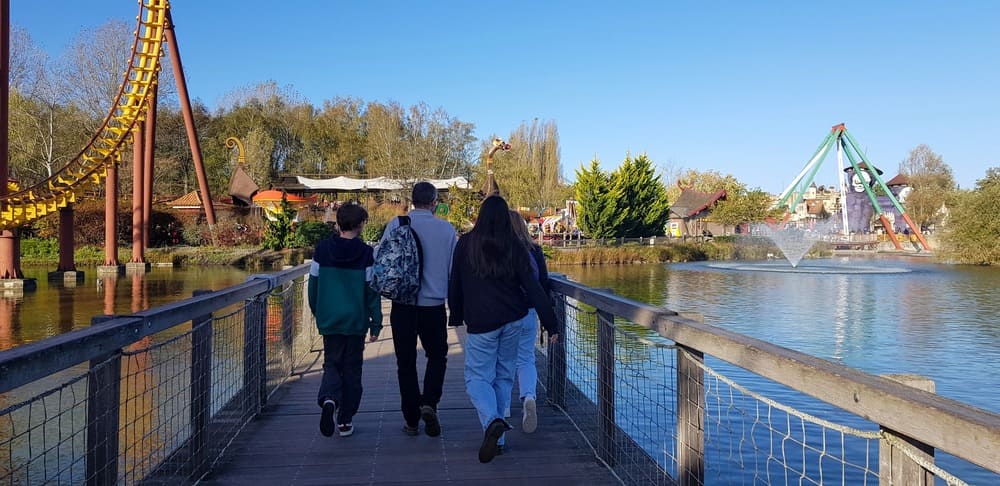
(640, 198)
(596, 206)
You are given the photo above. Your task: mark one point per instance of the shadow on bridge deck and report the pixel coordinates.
(284, 445)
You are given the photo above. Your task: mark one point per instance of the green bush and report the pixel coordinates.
(40, 248)
(307, 233)
(374, 229)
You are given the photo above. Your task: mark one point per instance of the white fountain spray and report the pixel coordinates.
(794, 242)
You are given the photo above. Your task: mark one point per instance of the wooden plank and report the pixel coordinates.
(284, 446)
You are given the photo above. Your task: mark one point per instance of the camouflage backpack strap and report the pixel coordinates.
(405, 221)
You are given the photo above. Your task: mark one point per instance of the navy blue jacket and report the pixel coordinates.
(339, 295)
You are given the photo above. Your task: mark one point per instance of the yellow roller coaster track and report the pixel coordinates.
(88, 169)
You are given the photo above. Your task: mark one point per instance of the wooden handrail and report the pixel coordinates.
(962, 430)
(26, 363)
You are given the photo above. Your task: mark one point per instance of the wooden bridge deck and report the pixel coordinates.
(284, 445)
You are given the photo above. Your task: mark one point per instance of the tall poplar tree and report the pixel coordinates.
(640, 198)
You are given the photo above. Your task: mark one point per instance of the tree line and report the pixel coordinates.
(58, 104)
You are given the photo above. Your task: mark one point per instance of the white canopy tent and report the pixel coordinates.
(349, 184)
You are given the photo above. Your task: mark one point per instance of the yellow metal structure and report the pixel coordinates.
(89, 169)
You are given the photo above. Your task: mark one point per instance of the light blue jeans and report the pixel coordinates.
(490, 362)
(527, 374)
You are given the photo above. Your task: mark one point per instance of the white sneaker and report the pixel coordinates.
(530, 420)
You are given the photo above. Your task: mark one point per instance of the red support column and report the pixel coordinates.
(137, 197)
(147, 173)
(182, 94)
(10, 255)
(111, 219)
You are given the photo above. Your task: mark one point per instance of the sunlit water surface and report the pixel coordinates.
(881, 315)
(55, 308)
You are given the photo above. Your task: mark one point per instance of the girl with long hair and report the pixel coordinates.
(527, 374)
(492, 287)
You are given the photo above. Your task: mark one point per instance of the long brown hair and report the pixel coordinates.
(492, 240)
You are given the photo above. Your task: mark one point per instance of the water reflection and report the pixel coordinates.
(914, 322)
(939, 321)
(57, 308)
(154, 393)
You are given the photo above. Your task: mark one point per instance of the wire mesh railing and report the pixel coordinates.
(154, 397)
(663, 399)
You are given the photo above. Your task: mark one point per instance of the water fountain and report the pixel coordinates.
(795, 244)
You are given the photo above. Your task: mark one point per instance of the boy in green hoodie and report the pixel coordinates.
(346, 309)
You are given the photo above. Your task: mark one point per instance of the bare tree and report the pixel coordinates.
(94, 66)
(932, 183)
(28, 62)
(385, 154)
(43, 128)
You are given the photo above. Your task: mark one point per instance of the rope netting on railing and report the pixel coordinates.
(749, 438)
(164, 408)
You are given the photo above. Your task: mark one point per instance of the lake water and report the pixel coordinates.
(905, 315)
(881, 315)
(56, 308)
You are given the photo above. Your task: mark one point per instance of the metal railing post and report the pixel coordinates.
(201, 390)
(557, 355)
(690, 417)
(254, 321)
(103, 405)
(288, 317)
(606, 386)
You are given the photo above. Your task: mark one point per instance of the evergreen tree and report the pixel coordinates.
(596, 205)
(640, 198)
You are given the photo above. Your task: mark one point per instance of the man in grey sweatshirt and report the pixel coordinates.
(427, 319)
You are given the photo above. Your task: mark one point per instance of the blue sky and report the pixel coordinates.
(744, 88)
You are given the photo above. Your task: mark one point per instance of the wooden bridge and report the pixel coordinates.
(220, 389)
(284, 446)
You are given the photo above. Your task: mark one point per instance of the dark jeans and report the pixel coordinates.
(429, 323)
(342, 359)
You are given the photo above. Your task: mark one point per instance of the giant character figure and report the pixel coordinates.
(859, 207)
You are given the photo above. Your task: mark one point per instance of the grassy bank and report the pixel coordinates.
(45, 252)
(718, 249)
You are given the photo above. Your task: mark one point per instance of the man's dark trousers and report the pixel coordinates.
(428, 323)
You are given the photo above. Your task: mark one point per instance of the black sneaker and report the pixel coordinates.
(411, 430)
(490, 448)
(328, 418)
(432, 426)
